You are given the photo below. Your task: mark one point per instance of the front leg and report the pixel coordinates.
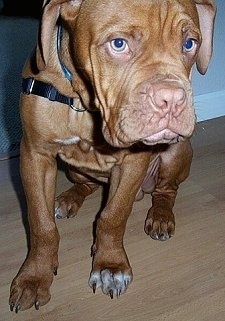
(111, 269)
(31, 285)
(174, 168)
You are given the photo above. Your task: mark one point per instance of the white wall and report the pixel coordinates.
(209, 90)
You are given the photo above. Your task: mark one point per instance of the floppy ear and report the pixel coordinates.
(50, 14)
(206, 12)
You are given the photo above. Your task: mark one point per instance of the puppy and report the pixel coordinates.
(108, 91)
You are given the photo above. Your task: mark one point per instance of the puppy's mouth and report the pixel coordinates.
(165, 136)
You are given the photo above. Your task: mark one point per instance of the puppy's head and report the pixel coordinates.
(138, 57)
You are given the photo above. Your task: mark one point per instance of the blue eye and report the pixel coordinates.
(118, 44)
(189, 44)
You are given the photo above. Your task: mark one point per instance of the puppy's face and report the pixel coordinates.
(138, 56)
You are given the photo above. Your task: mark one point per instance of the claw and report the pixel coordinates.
(37, 305)
(126, 283)
(118, 293)
(55, 271)
(111, 293)
(94, 285)
(12, 307)
(17, 308)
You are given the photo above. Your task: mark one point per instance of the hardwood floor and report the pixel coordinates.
(182, 279)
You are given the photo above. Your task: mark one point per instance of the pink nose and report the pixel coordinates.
(168, 98)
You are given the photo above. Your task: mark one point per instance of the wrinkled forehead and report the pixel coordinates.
(105, 14)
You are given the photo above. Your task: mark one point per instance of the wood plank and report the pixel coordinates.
(182, 279)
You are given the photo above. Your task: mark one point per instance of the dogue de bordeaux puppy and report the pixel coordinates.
(108, 90)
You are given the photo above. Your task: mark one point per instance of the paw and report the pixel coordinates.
(26, 292)
(160, 224)
(30, 288)
(69, 202)
(63, 210)
(66, 205)
(112, 283)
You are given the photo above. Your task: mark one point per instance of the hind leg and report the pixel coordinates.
(69, 202)
(174, 169)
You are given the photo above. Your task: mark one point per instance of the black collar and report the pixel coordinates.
(40, 88)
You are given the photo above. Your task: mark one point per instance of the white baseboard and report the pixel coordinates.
(210, 105)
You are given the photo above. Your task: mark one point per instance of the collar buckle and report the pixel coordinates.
(74, 107)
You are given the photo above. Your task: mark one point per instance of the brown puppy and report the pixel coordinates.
(108, 90)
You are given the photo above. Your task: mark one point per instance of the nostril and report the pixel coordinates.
(169, 98)
(179, 102)
(162, 98)
(179, 96)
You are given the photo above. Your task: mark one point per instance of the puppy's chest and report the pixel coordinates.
(82, 154)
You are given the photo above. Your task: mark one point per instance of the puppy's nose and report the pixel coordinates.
(168, 98)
